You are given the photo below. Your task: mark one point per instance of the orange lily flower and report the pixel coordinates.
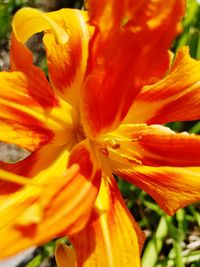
(97, 117)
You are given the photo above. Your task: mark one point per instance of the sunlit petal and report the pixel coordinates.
(151, 158)
(26, 23)
(67, 62)
(39, 163)
(128, 50)
(36, 21)
(21, 58)
(48, 204)
(175, 98)
(154, 145)
(66, 36)
(31, 115)
(112, 233)
(171, 187)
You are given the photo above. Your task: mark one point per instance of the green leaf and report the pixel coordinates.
(154, 246)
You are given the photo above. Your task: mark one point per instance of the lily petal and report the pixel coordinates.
(26, 23)
(170, 99)
(36, 21)
(118, 64)
(154, 145)
(156, 159)
(85, 156)
(31, 115)
(112, 232)
(29, 217)
(67, 62)
(171, 187)
(65, 256)
(36, 164)
(21, 58)
(48, 205)
(66, 39)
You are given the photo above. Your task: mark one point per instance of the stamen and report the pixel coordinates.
(14, 178)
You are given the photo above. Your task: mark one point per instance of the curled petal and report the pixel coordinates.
(36, 21)
(31, 115)
(171, 187)
(174, 98)
(112, 233)
(118, 64)
(66, 37)
(26, 23)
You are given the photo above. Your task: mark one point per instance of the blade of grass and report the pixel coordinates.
(177, 235)
(189, 21)
(154, 246)
(195, 129)
(195, 214)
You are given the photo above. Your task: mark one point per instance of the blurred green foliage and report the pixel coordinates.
(191, 26)
(7, 8)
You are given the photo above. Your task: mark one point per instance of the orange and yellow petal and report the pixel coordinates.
(85, 156)
(154, 145)
(66, 36)
(112, 233)
(48, 204)
(171, 187)
(121, 57)
(65, 256)
(37, 213)
(174, 98)
(67, 62)
(21, 59)
(163, 163)
(26, 23)
(42, 162)
(31, 115)
(36, 21)
(37, 168)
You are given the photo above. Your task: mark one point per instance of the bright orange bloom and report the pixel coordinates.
(97, 117)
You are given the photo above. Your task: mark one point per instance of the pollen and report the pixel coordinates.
(112, 143)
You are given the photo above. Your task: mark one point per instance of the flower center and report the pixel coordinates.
(119, 149)
(80, 133)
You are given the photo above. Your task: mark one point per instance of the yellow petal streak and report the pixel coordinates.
(47, 206)
(174, 98)
(67, 62)
(111, 238)
(33, 214)
(102, 205)
(35, 21)
(31, 114)
(10, 177)
(36, 190)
